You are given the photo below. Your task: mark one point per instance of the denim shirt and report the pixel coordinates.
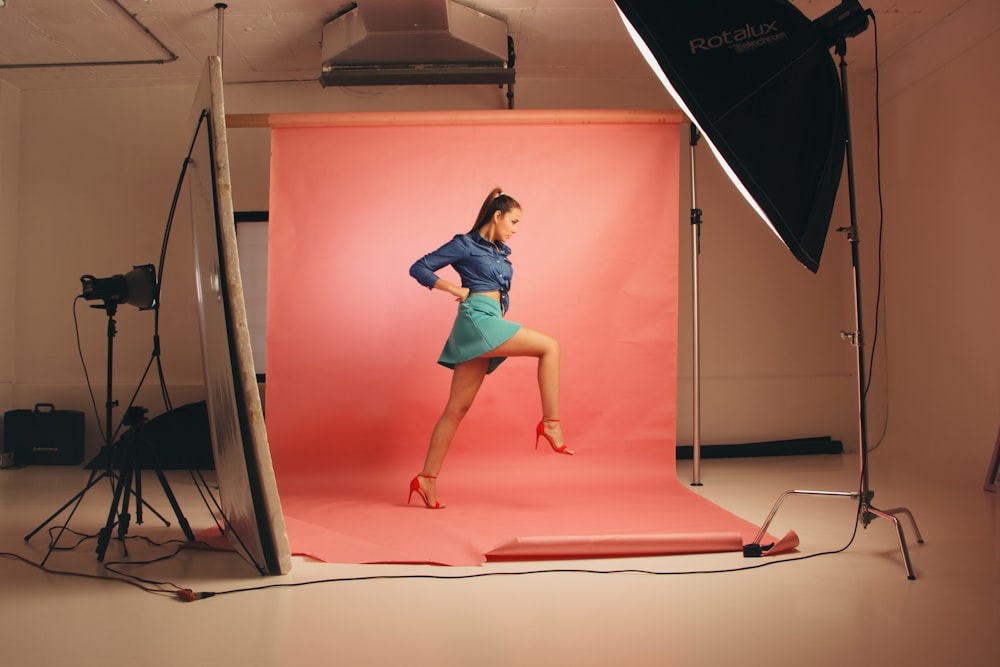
(482, 265)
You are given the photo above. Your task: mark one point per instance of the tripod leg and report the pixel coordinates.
(140, 502)
(902, 510)
(754, 549)
(902, 539)
(143, 503)
(138, 491)
(124, 518)
(94, 479)
(131, 441)
(124, 481)
(78, 498)
(173, 501)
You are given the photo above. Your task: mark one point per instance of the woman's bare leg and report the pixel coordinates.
(530, 343)
(465, 382)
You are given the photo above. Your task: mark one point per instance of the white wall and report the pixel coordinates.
(97, 172)
(10, 127)
(941, 142)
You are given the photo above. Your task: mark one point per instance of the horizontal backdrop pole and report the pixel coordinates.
(482, 117)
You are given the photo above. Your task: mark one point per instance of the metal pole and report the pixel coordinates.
(695, 317)
(221, 7)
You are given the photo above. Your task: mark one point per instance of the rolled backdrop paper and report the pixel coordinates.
(352, 340)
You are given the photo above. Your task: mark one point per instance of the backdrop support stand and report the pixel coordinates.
(695, 317)
(866, 511)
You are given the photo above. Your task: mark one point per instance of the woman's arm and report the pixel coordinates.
(460, 293)
(423, 270)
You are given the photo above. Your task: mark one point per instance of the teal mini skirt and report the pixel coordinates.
(479, 327)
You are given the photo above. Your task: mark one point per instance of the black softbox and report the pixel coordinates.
(758, 79)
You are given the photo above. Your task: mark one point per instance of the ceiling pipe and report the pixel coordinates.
(101, 63)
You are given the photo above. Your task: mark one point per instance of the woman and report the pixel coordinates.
(480, 338)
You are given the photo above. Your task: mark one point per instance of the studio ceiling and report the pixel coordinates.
(52, 44)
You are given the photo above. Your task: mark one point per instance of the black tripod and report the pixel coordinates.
(129, 466)
(133, 443)
(866, 511)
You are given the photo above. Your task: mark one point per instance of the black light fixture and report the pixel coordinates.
(758, 80)
(136, 288)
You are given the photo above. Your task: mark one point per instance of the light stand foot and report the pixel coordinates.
(866, 513)
(867, 510)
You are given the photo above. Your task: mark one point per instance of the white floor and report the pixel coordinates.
(855, 607)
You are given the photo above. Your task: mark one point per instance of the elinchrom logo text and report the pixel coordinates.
(741, 38)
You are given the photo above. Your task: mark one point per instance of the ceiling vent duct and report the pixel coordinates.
(415, 42)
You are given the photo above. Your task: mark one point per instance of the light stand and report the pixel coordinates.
(695, 317)
(139, 289)
(866, 511)
(757, 78)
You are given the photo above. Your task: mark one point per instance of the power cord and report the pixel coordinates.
(880, 280)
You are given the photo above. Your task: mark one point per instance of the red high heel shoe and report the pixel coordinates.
(415, 488)
(540, 433)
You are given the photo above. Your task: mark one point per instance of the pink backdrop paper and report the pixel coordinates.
(352, 339)
(353, 389)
